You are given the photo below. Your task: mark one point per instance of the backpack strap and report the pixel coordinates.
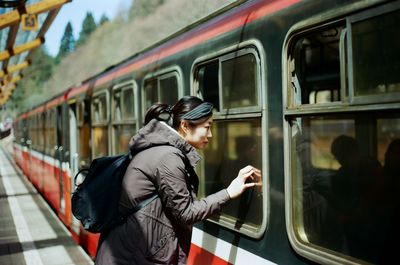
(83, 170)
(141, 204)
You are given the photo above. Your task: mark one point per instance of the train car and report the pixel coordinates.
(306, 91)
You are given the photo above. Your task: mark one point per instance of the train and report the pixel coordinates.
(306, 91)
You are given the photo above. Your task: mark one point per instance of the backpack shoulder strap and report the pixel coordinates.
(140, 205)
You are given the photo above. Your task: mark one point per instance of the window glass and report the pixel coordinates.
(163, 88)
(100, 141)
(117, 116)
(239, 82)
(315, 69)
(388, 134)
(151, 93)
(100, 108)
(80, 112)
(376, 54)
(122, 135)
(51, 132)
(41, 131)
(207, 77)
(83, 145)
(128, 106)
(169, 90)
(236, 140)
(235, 144)
(344, 195)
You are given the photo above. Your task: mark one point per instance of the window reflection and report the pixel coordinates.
(376, 52)
(235, 144)
(239, 82)
(127, 102)
(169, 90)
(122, 135)
(163, 88)
(100, 141)
(345, 199)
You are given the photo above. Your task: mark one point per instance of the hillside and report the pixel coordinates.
(119, 39)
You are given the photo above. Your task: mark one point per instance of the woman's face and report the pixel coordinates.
(198, 136)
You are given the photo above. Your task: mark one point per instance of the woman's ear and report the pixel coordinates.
(183, 128)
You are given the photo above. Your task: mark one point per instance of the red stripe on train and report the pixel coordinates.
(200, 256)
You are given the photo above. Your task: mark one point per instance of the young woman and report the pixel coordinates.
(164, 159)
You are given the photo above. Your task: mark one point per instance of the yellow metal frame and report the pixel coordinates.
(9, 74)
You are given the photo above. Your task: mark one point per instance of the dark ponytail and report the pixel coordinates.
(174, 115)
(156, 111)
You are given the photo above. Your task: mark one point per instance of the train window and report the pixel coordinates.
(343, 160)
(51, 132)
(376, 54)
(207, 76)
(150, 88)
(161, 88)
(128, 103)
(41, 131)
(80, 112)
(235, 144)
(100, 110)
(239, 81)
(124, 117)
(32, 131)
(83, 125)
(231, 82)
(315, 67)
(236, 130)
(168, 89)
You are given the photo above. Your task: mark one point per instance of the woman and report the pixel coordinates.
(163, 163)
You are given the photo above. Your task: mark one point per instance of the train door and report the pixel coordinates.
(59, 157)
(74, 156)
(25, 143)
(28, 161)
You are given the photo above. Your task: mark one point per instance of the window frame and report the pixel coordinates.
(242, 113)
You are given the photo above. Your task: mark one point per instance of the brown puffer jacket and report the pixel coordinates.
(160, 233)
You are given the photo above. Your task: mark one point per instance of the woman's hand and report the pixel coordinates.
(238, 185)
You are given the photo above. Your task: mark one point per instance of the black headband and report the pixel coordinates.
(201, 111)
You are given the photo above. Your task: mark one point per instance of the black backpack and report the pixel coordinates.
(95, 200)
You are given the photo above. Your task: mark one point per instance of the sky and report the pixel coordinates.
(74, 12)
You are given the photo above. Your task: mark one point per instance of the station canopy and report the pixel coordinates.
(23, 24)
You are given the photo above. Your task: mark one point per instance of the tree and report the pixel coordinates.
(88, 26)
(103, 19)
(29, 90)
(67, 44)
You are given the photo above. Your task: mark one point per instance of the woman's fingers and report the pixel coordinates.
(248, 177)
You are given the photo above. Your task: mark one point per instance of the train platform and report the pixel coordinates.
(30, 232)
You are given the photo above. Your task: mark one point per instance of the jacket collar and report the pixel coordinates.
(159, 133)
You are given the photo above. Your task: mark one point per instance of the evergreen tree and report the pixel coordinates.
(103, 19)
(67, 44)
(88, 26)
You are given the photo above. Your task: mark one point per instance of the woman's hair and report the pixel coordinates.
(173, 115)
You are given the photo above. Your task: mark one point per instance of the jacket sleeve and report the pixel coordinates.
(176, 197)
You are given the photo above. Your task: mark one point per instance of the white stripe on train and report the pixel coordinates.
(226, 251)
